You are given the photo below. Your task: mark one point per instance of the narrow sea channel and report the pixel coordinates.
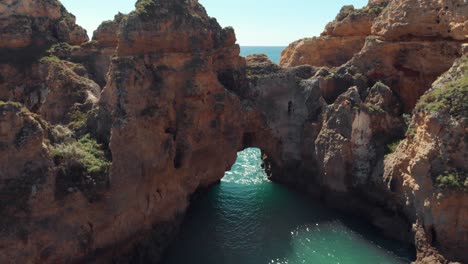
(248, 219)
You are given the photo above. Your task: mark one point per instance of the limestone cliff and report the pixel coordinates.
(106, 140)
(28, 29)
(409, 45)
(342, 38)
(175, 118)
(428, 171)
(406, 44)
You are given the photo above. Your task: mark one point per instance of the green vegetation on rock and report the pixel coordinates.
(10, 106)
(49, 59)
(374, 109)
(82, 165)
(393, 146)
(78, 118)
(450, 99)
(454, 179)
(349, 11)
(145, 7)
(61, 49)
(375, 10)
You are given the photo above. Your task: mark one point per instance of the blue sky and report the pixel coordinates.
(257, 22)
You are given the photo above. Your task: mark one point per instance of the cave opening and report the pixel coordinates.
(246, 218)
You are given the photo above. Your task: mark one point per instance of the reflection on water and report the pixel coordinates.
(247, 219)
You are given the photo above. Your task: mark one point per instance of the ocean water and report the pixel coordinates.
(273, 52)
(247, 219)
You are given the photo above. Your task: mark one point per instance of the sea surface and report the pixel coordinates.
(247, 219)
(273, 52)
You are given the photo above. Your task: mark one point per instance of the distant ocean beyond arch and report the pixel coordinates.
(273, 52)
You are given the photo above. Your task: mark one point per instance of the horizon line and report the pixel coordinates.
(263, 45)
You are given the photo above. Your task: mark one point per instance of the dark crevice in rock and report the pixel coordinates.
(179, 157)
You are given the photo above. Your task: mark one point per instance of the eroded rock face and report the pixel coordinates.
(37, 23)
(446, 19)
(178, 104)
(24, 166)
(67, 88)
(406, 44)
(21, 136)
(407, 67)
(330, 143)
(27, 30)
(281, 101)
(322, 51)
(342, 38)
(428, 170)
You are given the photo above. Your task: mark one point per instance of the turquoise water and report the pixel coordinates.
(273, 52)
(248, 220)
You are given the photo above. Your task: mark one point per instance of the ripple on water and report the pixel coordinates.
(247, 169)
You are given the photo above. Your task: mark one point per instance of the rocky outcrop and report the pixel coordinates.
(36, 24)
(27, 30)
(428, 171)
(24, 169)
(424, 19)
(354, 135)
(157, 105)
(405, 44)
(334, 51)
(172, 114)
(408, 67)
(175, 118)
(342, 38)
(359, 125)
(279, 102)
(22, 135)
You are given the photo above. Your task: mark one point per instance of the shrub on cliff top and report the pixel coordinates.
(145, 7)
(83, 165)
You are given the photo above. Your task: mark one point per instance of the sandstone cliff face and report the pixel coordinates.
(408, 67)
(322, 51)
(167, 95)
(175, 126)
(423, 19)
(428, 170)
(27, 30)
(406, 52)
(405, 44)
(342, 38)
(22, 136)
(35, 24)
(176, 123)
(23, 172)
(328, 142)
(279, 103)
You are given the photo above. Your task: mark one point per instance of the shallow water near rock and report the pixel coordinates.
(248, 219)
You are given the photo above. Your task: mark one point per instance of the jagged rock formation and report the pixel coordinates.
(188, 126)
(342, 38)
(357, 133)
(408, 67)
(175, 127)
(117, 133)
(406, 50)
(28, 29)
(35, 24)
(428, 171)
(423, 19)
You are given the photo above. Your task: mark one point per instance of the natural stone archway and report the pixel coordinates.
(177, 105)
